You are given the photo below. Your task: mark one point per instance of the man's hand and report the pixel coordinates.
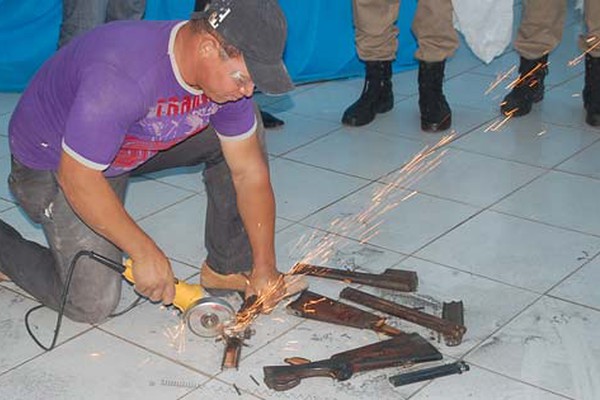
(153, 276)
(272, 286)
(269, 286)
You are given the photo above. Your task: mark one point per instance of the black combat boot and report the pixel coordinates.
(270, 121)
(376, 97)
(591, 90)
(435, 111)
(529, 88)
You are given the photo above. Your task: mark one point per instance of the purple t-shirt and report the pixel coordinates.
(113, 98)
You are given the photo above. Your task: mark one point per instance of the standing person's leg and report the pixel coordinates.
(434, 29)
(590, 43)
(95, 289)
(125, 9)
(433, 26)
(541, 27)
(376, 43)
(539, 33)
(225, 238)
(376, 33)
(80, 16)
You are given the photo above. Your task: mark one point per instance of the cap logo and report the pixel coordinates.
(217, 17)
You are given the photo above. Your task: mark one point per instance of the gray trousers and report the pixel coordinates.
(542, 27)
(95, 289)
(376, 32)
(80, 16)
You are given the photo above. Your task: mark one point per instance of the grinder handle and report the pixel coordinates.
(186, 294)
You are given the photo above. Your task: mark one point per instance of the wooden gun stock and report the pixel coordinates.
(405, 349)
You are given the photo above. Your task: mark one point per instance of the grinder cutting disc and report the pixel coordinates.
(208, 316)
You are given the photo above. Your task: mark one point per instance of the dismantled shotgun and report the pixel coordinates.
(321, 308)
(235, 341)
(394, 279)
(452, 332)
(405, 349)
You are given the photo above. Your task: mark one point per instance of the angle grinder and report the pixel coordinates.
(204, 316)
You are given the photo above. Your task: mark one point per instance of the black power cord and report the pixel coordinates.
(63, 300)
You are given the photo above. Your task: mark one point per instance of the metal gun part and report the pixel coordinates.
(452, 332)
(429, 373)
(235, 341)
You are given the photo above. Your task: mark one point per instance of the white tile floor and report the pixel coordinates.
(508, 221)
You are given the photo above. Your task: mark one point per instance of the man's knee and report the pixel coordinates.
(93, 306)
(92, 313)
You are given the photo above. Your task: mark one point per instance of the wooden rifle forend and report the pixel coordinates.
(321, 308)
(393, 279)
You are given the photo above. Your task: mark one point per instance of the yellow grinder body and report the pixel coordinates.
(204, 316)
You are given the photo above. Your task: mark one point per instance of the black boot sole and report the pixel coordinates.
(352, 120)
(270, 121)
(519, 112)
(516, 111)
(593, 119)
(437, 126)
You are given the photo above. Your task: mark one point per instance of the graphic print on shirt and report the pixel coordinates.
(167, 123)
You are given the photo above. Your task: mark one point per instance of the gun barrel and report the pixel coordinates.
(429, 373)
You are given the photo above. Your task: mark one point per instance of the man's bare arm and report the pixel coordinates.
(94, 201)
(256, 203)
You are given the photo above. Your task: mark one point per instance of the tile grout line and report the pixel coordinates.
(157, 211)
(148, 177)
(509, 378)
(44, 352)
(595, 235)
(300, 146)
(553, 167)
(371, 181)
(527, 307)
(154, 352)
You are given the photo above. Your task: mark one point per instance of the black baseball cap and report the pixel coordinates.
(258, 29)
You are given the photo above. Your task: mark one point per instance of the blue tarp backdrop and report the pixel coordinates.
(320, 37)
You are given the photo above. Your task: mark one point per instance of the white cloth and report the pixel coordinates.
(486, 25)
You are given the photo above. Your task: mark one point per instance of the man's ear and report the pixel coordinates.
(208, 46)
